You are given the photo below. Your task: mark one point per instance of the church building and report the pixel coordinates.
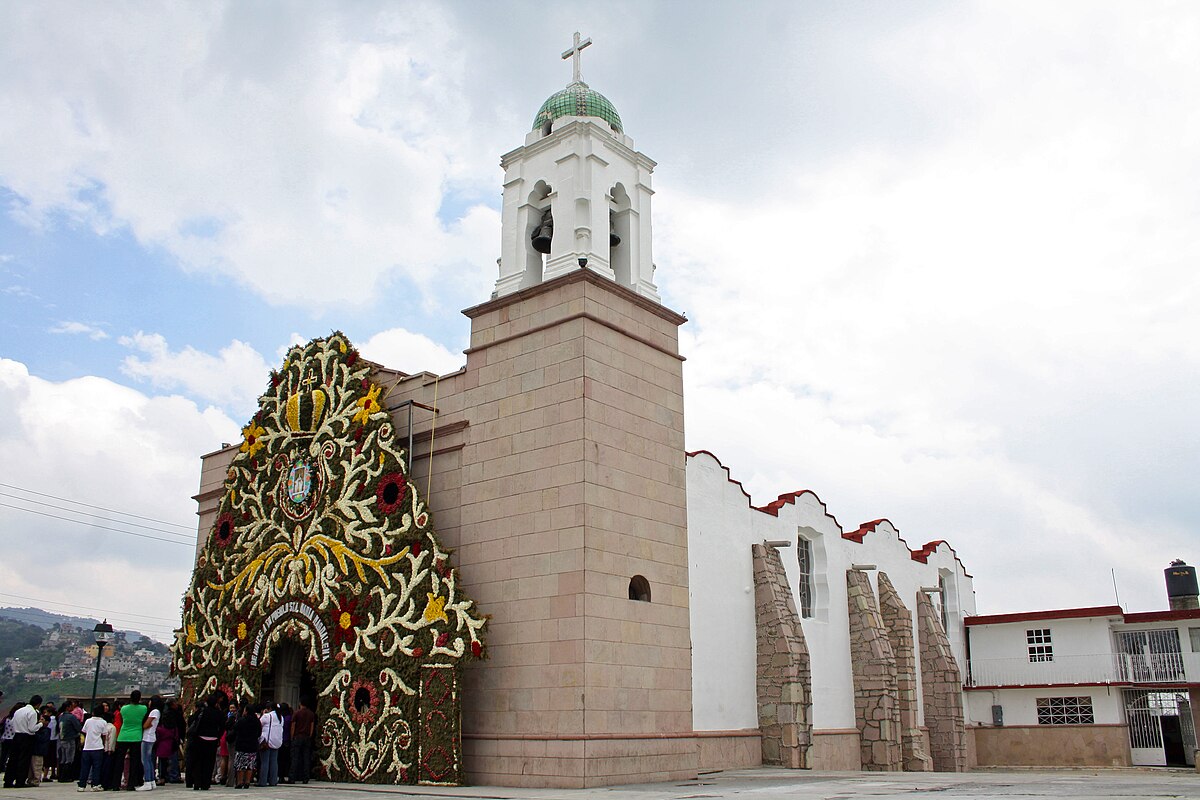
(598, 604)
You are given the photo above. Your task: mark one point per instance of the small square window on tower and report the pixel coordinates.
(1040, 647)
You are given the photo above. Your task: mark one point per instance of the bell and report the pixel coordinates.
(614, 238)
(543, 233)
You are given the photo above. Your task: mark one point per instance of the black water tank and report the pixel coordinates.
(1181, 580)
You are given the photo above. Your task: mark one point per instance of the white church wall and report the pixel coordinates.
(722, 526)
(721, 584)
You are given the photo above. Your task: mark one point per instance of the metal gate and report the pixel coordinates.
(1161, 731)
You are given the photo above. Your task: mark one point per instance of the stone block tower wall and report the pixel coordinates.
(897, 619)
(784, 675)
(941, 684)
(572, 484)
(876, 703)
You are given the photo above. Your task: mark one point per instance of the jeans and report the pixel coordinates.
(301, 759)
(268, 767)
(67, 749)
(89, 768)
(148, 762)
(173, 770)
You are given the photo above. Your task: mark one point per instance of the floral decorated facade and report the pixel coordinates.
(322, 543)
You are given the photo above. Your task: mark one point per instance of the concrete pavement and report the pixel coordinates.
(753, 784)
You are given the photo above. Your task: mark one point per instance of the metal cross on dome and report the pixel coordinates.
(573, 54)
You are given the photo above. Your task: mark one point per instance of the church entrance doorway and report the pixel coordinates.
(288, 680)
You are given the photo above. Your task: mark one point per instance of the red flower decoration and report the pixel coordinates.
(389, 495)
(418, 652)
(224, 530)
(442, 639)
(363, 701)
(476, 649)
(350, 359)
(345, 621)
(416, 548)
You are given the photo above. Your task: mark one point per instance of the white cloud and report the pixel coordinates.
(410, 352)
(988, 341)
(310, 164)
(96, 442)
(234, 378)
(93, 332)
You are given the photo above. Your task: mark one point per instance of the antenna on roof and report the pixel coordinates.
(1115, 594)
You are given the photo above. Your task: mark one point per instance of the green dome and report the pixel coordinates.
(577, 100)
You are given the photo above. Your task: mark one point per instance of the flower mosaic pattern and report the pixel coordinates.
(321, 540)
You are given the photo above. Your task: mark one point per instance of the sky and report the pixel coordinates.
(938, 259)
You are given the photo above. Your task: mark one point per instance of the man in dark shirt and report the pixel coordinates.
(304, 721)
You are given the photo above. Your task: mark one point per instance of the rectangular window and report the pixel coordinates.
(1065, 711)
(804, 555)
(1194, 635)
(1040, 648)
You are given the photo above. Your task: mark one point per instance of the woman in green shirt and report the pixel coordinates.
(129, 738)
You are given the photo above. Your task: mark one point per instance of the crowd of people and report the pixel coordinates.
(140, 745)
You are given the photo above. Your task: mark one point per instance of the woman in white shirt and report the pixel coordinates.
(149, 737)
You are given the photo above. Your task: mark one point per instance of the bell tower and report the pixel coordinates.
(570, 482)
(576, 195)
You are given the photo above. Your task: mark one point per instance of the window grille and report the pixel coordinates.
(1040, 648)
(943, 602)
(804, 555)
(1065, 711)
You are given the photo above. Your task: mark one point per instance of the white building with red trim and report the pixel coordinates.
(1083, 686)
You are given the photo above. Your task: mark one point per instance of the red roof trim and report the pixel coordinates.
(789, 498)
(865, 528)
(1034, 616)
(926, 551)
(1152, 686)
(773, 507)
(1163, 616)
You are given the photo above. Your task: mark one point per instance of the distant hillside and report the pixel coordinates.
(17, 637)
(47, 620)
(54, 655)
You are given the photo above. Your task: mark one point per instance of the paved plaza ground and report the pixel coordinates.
(754, 784)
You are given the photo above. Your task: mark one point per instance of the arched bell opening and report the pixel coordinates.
(539, 233)
(619, 244)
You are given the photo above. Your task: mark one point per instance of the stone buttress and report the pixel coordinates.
(941, 684)
(898, 621)
(876, 703)
(784, 676)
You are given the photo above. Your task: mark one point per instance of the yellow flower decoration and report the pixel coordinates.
(436, 608)
(191, 634)
(251, 435)
(368, 405)
(345, 620)
(241, 631)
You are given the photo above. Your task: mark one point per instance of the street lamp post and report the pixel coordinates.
(102, 631)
